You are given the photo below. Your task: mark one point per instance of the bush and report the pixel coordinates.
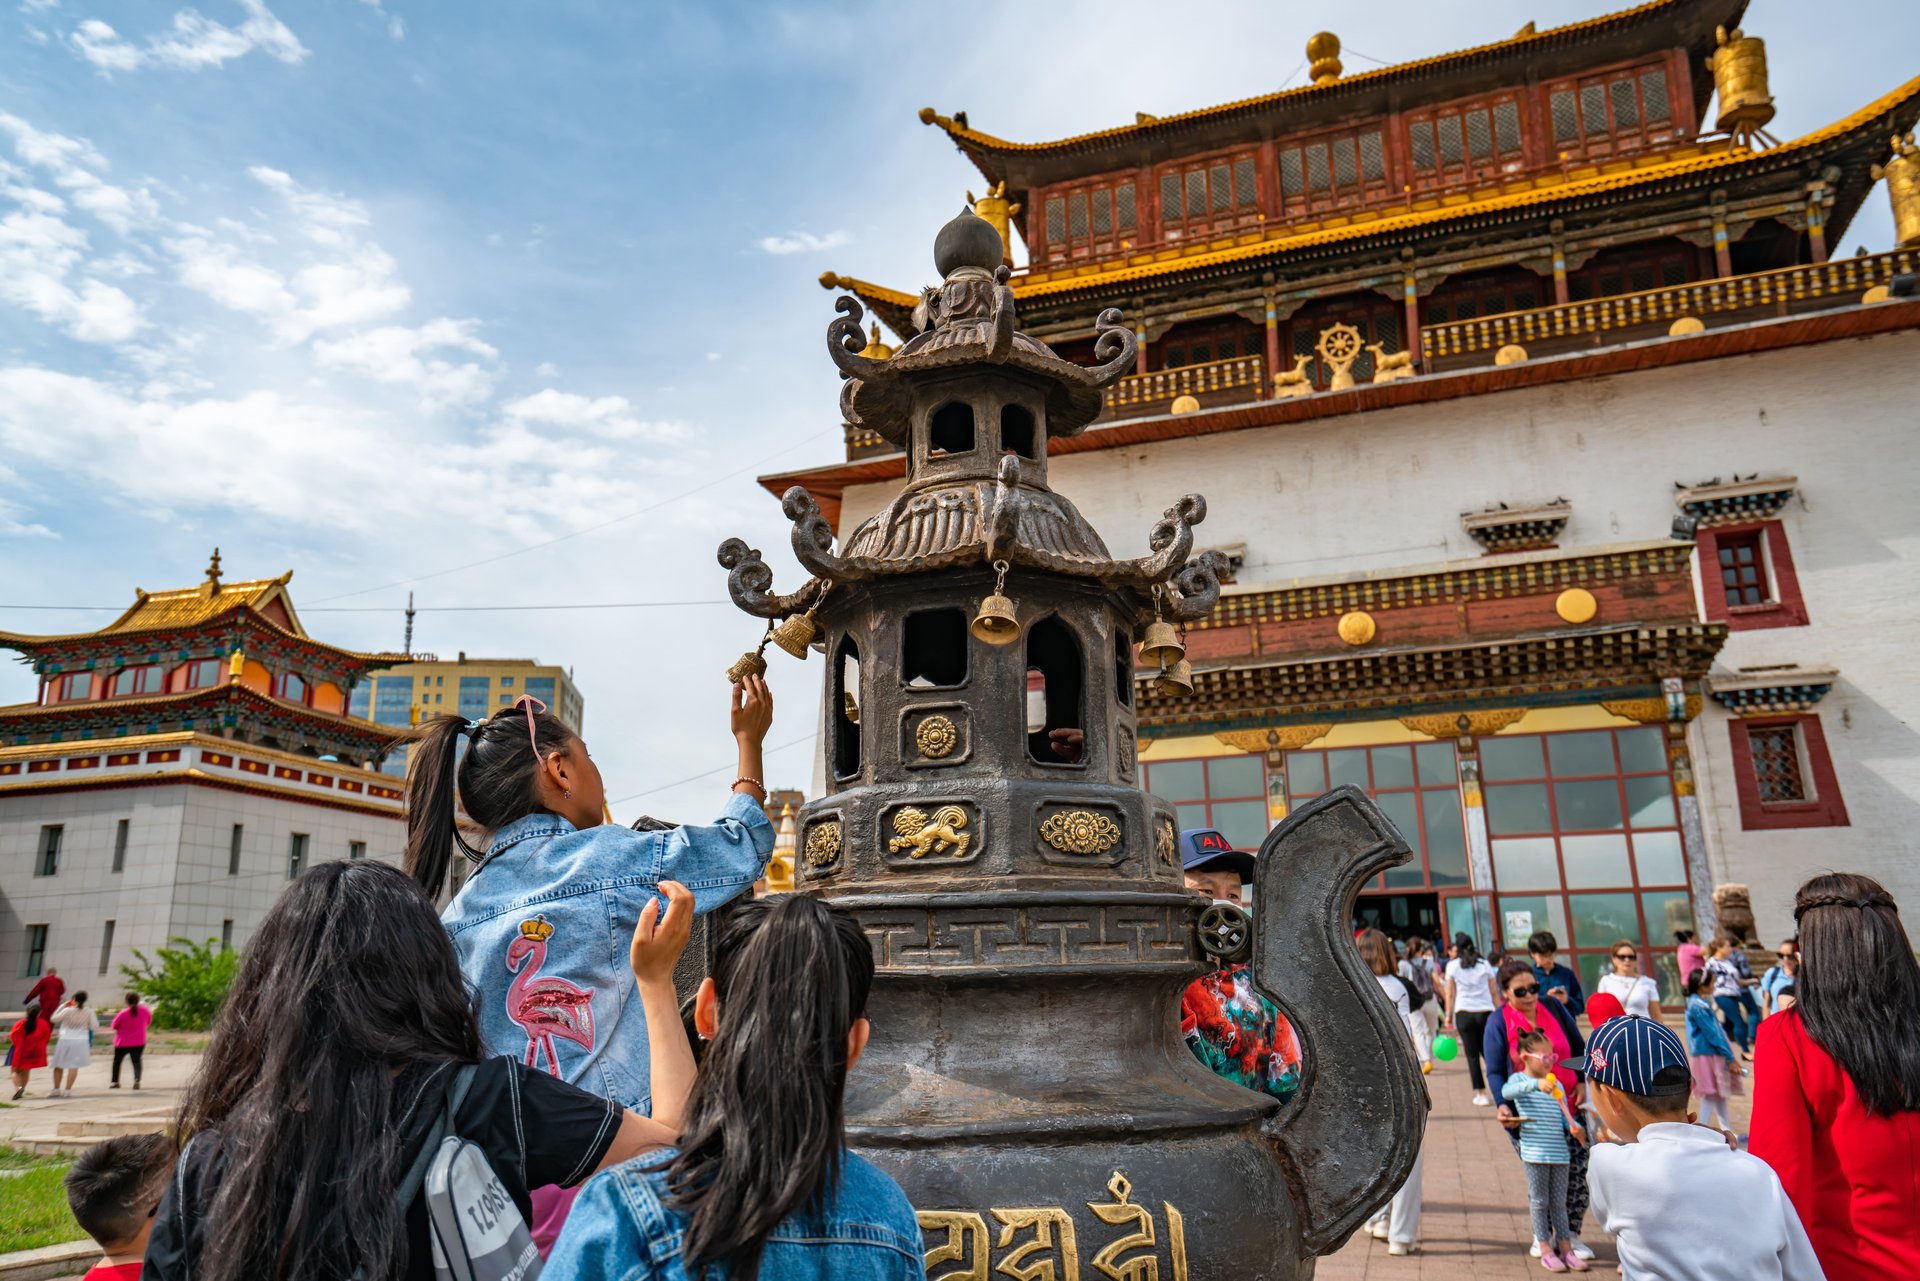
(188, 985)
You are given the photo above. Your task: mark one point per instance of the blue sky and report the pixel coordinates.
(370, 289)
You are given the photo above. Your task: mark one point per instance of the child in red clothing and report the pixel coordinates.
(114, 1190)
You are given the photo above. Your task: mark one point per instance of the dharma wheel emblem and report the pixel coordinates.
(1080, 832)
(1339, 346)
(920, 836)
(823, 845)
(935, 737)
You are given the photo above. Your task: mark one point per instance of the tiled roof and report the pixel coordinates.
(1685, 162)
(211, 696)
(1526, 40)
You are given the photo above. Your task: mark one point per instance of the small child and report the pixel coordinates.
(1716, 1072)
(114, 1190)
(1546, 1127)
(1662, 1186)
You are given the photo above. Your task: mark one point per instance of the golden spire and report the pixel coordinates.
(875, 349)
(212, 585)
(1323, 56)
(995, 209)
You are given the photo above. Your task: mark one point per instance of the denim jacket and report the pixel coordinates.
(544, 926)
(620, 1229)
(1703, 1030)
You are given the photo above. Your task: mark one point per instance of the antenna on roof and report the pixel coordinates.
(408, 646)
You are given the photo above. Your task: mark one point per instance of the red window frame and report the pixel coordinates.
(1612, 138)
(1824, 808)
(195, 665)
(139, 675)
(1786, 608)
(1122, 231)
(1185, 810)
(280, 688)
(1216, 217)
(1468, 169)
(64, 687)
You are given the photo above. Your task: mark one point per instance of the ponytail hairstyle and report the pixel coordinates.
(1858, 985)
(1469, 954)
(766, 1120)
(498, 782)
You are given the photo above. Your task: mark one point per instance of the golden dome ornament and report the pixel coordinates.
(997, 623)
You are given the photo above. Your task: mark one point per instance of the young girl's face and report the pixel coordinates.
(1539, 1062)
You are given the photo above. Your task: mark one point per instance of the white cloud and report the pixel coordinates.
(413, 357)
(195, 42)
(802, 242)
(611, 417)
(546, 369)
(395, 27)
(74, 165)
(38, 6)
(38, 255)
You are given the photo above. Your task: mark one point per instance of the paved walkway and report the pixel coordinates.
(36, 1115)
(1474, 1221)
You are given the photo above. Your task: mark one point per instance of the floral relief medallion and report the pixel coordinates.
(1080, 832)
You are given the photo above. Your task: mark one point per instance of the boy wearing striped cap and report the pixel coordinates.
(1662, 1186)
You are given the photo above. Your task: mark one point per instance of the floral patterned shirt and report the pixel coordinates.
(1240, 1034)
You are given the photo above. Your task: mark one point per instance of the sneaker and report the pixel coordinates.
(1552, 1262)
(136, 1085)
(114, 1086)
(1377, 1230)
(1574, 1262)
(1402, 1247)
(1581, 1250)
(1425, 1068)
(1534, 1250)
(1482, 1101)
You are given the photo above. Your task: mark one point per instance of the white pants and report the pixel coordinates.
(1402, 1214)
(1422, 1024)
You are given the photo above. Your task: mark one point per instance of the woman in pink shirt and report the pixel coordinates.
(130, 1037)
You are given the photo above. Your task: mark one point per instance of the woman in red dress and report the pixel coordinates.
(1836, 1103)
(29, 1042)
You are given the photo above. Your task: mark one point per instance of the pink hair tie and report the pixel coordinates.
(528, 703)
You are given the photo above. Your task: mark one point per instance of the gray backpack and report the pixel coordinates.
(476, 1230)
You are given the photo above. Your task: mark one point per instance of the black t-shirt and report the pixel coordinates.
(535, 1129)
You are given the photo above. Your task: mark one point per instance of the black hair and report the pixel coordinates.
(1530, 1038)
(349, 982)
(498, 782)
(115, 1186)
(1697, 979)
(133, 999)
(1683, 936)
(766, 1121)
(1543, 944)
(1788, 989)
(1469, 954)
(31, 1022)
(1856, 965)
(1673, 1090)
(1509, 970)
(80, 999)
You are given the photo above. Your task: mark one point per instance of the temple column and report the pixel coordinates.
(1273, 348)
(1140, 355)
(1722, 250)
(1410, 288)
(1561, 296)
(1817, 221)
(1275, 744)
(1465, 729)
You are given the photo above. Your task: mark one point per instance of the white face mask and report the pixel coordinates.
(1234, 902)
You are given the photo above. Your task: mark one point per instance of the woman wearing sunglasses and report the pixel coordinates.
(554, 890)
(1524, 1008)
(1626, 984)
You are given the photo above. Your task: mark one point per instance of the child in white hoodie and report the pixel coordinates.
(1662, 1184)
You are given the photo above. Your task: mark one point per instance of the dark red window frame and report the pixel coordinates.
(1786, 609)
(1825, 808)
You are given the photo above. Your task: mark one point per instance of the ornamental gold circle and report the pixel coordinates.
(935, 737)
(823, 845)
(1358, 627)
(1576, 605)
(1511, 354)
(1080, 832)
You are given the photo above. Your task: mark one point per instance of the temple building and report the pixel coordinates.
(1562, 467)
(179, 767)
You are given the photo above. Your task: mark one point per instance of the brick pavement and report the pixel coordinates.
(1474, 1221)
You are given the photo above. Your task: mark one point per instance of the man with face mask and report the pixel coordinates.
(1230, 1027)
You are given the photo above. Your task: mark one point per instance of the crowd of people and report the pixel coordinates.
(72, 1049)
(390, 1089)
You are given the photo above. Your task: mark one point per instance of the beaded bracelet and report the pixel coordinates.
(756, 783)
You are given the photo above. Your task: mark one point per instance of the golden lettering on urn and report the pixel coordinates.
(1052, 1251)
(1080, 832)
(1046, 1224)
(966, 1244)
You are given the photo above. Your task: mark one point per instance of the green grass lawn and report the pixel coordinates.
(33, 1203)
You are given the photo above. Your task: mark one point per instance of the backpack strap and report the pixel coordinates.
(409, 1185)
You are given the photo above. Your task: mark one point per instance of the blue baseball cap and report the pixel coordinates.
(1202, 849)
(1634, 1053)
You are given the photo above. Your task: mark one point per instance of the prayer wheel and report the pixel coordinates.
(1739, 67)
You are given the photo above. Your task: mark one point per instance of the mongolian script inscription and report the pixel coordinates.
(1040, 1244)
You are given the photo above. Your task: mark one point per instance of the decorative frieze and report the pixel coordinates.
(1519, 529)
(1476, 723)
(1774, 691)
(1739, 502)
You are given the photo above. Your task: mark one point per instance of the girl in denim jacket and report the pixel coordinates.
(761, 1185)
(542, 925)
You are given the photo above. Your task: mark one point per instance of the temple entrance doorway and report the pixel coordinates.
(1400, 916)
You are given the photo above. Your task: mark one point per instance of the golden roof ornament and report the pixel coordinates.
(1323, 57)
(1000, 213)
(875, 349)
(1902, 173)
(212, 585)
(1739, 67)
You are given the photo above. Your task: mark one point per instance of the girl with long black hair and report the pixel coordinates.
(1836, 1100)
(551, 881)
(761, 1184)
(328, 1068)
(1470, 1003)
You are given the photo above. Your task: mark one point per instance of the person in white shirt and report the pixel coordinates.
(1470, 1001)
(1636, 993)
(1678, 1200)
(1398, 1222)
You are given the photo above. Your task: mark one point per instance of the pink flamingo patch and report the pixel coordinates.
(545, 1007)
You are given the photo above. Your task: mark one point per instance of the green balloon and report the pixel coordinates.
(1445, 1048)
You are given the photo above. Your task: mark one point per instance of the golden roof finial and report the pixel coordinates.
(212, 584)
(875, 349)
(1323, 55)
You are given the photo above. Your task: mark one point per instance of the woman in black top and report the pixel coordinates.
(327, 1069)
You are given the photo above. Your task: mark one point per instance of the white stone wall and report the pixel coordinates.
(174, 882)
(1383, 490)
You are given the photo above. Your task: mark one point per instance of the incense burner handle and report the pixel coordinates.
(1350, 1135)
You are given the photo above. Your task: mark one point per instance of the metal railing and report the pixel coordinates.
(1218, 382)
(1650, 313)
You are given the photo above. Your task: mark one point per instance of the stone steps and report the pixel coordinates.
(71, 1138)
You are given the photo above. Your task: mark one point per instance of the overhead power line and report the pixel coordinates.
(432, 609)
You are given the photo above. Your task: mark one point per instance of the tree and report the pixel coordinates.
(188, 985)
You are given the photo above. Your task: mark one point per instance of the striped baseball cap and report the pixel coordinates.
(1636, 1054)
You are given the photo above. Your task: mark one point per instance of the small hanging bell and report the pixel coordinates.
(1161, 645)
(751, 663)
(796, 633)
(1176, 678)
(996, 623)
